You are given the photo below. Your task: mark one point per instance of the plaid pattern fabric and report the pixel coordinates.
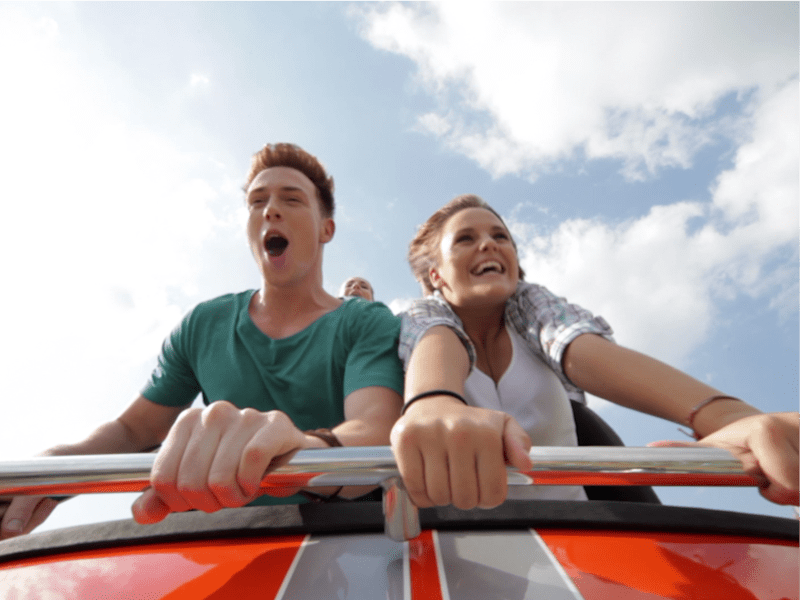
(546, 322)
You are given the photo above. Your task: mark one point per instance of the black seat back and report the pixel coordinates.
(594, 431)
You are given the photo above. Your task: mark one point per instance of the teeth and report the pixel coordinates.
(487, 266)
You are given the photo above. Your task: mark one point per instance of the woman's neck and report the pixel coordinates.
(486, 328)
(482, 324)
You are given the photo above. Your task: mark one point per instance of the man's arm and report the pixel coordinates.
(369, 414)
(142, 426)
(215, 457)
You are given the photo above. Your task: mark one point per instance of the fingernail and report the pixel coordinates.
(14, 526)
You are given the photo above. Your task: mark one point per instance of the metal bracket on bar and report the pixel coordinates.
(401, 516)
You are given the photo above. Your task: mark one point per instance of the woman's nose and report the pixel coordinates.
(488, 242)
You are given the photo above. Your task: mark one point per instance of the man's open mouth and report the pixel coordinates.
(276, 245)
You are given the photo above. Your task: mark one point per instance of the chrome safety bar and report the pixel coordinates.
(375, 465)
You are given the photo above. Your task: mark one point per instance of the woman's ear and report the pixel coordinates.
(434, 277)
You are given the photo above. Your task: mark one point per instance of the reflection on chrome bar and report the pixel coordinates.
(374, 465)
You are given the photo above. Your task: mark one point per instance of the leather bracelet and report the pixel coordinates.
(431, 393)
(326, 435)
(701, 405)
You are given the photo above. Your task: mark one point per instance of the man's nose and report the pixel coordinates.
(272, 210)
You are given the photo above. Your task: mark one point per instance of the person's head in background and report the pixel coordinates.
(357, 286)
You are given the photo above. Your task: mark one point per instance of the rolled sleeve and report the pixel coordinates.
(423, 315)
(556, 344)
(553, 323)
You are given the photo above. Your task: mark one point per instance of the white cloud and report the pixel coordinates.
(199, 80)
(102, 225)
(398, 305)
(524, 85)
(655, 278)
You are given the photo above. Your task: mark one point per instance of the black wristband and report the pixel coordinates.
(431, 393)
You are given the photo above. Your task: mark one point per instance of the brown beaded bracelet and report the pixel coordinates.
(702, 405)
(326, 435)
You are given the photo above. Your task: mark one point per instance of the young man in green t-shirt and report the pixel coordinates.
(281, 368)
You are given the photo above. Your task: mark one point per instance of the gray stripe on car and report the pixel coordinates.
(350, 567)
(514, 565)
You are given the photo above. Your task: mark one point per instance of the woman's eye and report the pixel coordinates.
(463, 238)
(500, 236)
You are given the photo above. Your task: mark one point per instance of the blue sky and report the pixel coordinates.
(644, 154)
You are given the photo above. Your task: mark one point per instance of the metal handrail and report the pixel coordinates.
(375, 465)
(371, 465)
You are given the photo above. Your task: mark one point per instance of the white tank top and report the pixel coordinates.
(530, 392)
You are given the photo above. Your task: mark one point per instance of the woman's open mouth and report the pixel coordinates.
(491, 266)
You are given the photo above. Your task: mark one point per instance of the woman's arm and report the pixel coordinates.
(449, 453)
(637, 381)
(767, 444)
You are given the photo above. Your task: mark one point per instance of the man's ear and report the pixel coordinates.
(327, 230)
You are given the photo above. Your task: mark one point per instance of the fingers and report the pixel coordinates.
(23, 514)
(274, 440)
(516, 445)
(149, 508)
(451, 454)
(767, 446)
(671, 444)
(492, 477)
(774, 444)
(411, 465)
(213, 458)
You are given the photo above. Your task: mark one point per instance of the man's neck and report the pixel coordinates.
(283, 311)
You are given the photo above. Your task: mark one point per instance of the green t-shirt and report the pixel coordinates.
(218, 351)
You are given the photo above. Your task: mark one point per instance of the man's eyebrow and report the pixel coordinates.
(283, 188)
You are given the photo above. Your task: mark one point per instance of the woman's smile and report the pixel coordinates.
(478, 261)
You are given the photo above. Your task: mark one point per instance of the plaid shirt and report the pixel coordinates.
(546, 322)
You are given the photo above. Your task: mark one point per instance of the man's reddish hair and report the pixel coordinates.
(294, 157)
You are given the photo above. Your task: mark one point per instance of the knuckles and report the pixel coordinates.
(459, 433)
(192, 486)
(219, 414)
